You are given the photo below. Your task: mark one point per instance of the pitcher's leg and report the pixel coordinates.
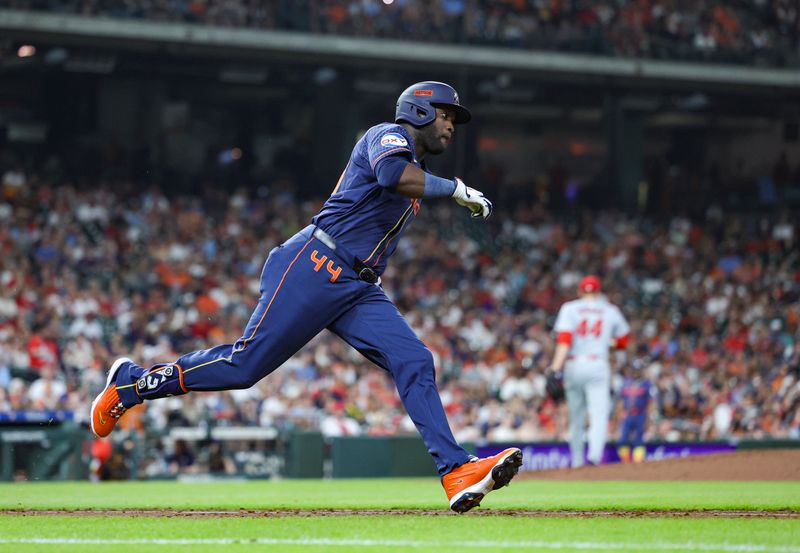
(598, 398)
(376, 328)
(576, 403)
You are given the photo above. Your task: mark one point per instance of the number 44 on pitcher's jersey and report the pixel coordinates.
(592, 325)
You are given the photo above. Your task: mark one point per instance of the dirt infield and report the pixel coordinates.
(763, 464)
(268, 513)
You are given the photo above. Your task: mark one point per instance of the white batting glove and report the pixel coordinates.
(472, 199)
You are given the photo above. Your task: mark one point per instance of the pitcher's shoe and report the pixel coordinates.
(467, 485)
(107, 407)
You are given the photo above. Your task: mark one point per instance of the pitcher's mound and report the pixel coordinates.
(760, 464)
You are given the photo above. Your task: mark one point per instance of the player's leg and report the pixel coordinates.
(576, 404)
(296, 303)
(598, 400)
(376, 328)
(638, 427)
(624, 449)
(627, 429)
(638, 438)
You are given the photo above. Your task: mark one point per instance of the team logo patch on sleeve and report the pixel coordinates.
(392, 140)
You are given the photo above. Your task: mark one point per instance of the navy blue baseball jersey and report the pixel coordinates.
(635, 395)
(363, 216)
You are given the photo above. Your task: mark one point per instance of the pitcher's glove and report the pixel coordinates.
(555, 385)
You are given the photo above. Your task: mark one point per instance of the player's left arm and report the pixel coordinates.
(389, 155)
(622, 342)
(413, 182)
(409, 180)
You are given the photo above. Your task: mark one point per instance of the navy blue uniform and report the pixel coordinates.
(362, 215)
(635, 398)
(310, 283)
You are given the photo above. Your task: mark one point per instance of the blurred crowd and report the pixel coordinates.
(90, 273)
(744, 31)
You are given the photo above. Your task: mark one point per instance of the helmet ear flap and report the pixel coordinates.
(415, 114)
(421, 113)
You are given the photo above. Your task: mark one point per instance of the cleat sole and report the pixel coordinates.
(500, 475)
(467, 502)
(508, 469)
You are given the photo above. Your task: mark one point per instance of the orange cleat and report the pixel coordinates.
(466, 485)
(106, 407)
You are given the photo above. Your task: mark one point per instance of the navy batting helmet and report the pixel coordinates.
(417, 104)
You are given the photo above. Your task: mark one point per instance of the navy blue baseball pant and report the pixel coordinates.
(305, 288)
(633, 429)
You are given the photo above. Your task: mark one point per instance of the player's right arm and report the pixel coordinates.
(563, 330)
(560, 356)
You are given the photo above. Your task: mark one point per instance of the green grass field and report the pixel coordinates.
(395, 532)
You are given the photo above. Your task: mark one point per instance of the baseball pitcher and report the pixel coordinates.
(585, 329)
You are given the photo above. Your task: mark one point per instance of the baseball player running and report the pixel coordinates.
(327, 276)
(584, 329)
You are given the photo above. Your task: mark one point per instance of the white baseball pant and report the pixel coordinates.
(587, 386)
